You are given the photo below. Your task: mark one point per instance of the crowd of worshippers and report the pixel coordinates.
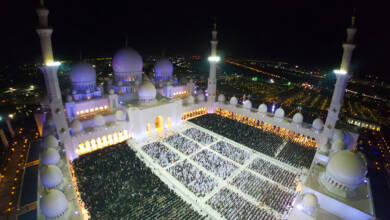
(211, 162)
(232, 206)
(199, 136)
(262, 141)
(264, 192)
(182, 144)
(275, 173)
(161, 153)
(231, 152)
(297, 155)
(115, 184)
(193, 178)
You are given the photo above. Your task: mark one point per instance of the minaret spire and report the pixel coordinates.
(342, 76)
(212, 82)
(49, 70)
(44, 32)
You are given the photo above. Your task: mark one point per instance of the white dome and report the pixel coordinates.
(247, 104)
(51, 141)
(99, 120)
(120, 115)
(318, 124)
(127, 64)
(338, 134)
(338, 145)
(309, 201)
(221, 98)
(347, 167)
(163, 69)
(50, 156)
(200, 97)
(233, 100)
(147, 91)
(53, 204)
(298, 118)
(51, 176)
(279, 113)
(76, 126)
(263, 108)
(83, 76)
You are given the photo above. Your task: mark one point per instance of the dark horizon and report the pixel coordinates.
(308, 34)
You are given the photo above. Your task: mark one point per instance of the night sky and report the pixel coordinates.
(301, 32)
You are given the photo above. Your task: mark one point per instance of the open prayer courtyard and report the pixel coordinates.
(191, 172)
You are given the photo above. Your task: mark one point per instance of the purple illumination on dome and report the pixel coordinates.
(83, 76)
(163, 69)
(127, 65)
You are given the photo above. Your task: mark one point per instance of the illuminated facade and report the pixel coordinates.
(135, 108)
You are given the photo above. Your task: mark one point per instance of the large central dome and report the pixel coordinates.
(127, 65)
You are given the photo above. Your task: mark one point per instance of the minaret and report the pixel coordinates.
(49, 70)
(342, 76)
(213, 59)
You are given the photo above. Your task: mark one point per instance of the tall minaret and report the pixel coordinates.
(49, 70)
(342, 76)
(213, 59)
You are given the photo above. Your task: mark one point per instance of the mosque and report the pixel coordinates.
(136, 107)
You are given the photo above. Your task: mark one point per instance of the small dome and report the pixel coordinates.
(247, 104)
(76, 126)
(50, 156)
(347, 167)
(99, 120)
(51, 141)
(147, 91)
(163, 69)
(127, 64)
(309, 201)
(120, 115)
(53, 204)
(83, 76)
(338, 134)
(279, 113)
(338, 145)
(233, 100)
(200, 97)
(221, 98)
(318, 124)
(263, 108)
(51, 176)
(298, 118)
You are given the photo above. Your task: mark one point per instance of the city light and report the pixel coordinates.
(214, 59)
(343, 72)
(55, 63)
